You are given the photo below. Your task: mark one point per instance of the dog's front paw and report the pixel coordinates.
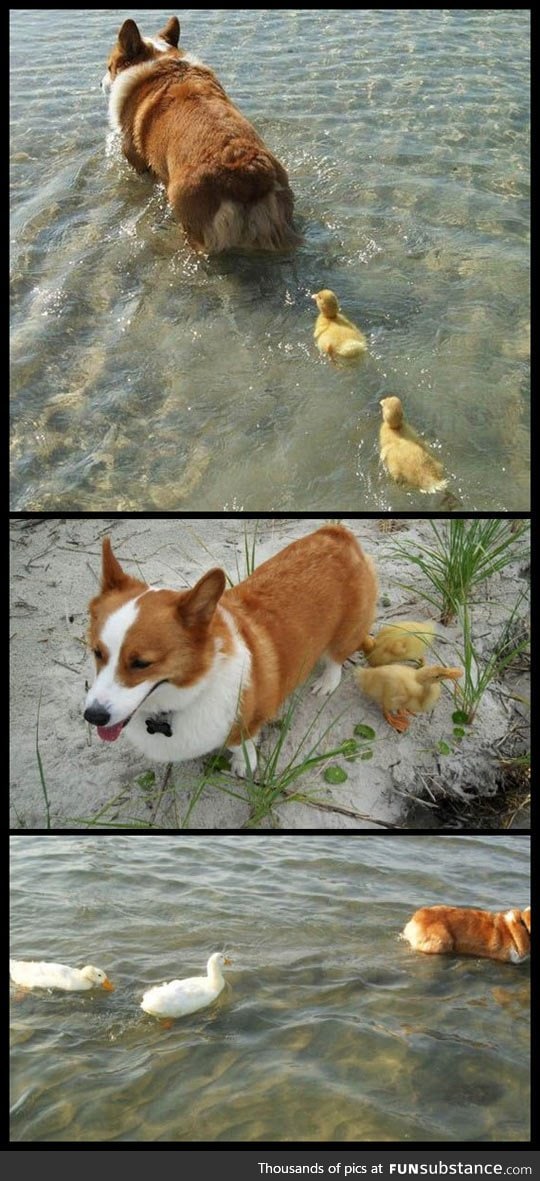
(328, 680)
(244, 760)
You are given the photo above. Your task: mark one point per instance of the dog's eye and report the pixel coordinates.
(98, 654)
(140, 664)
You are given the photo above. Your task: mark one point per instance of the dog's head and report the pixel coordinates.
(142, 638)
(132, 50)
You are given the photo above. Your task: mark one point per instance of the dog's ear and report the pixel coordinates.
(112, 575)
(199, 604)
(130, 40)
(171, 32)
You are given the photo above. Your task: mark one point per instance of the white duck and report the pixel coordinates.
(180, 997)
(34, 974)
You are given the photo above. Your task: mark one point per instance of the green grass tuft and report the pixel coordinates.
(463, 555)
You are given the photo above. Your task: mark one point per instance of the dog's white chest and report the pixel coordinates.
(199, 717)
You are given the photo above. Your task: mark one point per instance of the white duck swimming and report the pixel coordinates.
(180, 997)
(34, 974)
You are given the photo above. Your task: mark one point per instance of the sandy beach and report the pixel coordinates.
(401, 780)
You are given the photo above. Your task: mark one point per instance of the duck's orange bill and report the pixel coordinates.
(108, 986)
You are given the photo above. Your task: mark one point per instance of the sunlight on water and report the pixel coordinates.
(145, 377)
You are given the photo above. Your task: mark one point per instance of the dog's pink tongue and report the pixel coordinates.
(110, 733)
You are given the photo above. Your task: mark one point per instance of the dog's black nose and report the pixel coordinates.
(97, 715)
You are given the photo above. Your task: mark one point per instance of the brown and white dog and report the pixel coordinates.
(186, 672)
(176, 121)
(459, 929)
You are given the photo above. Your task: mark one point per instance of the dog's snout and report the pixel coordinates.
(97, 715)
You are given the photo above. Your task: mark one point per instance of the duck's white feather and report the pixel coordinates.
(177, 998)
(41, 974)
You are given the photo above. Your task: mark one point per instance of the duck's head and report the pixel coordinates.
(327, 303)
(392, 411)
(436, 673)
(96, 976)
(219, 960)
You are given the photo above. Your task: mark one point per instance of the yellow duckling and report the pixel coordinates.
(399, 641)
(401, 691)
(334, 333)
(404, 454)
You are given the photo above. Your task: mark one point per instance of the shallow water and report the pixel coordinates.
(144, 377)
(329, 1029)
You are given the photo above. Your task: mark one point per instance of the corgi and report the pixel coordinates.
(459, 929)
(176, 121)
(186, 672)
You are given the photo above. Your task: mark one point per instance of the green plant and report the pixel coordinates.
(464, 554)
(41, 771)
(249, 551)
(276, 784)
(479, 672)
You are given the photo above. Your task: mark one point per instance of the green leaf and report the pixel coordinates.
(368, 754)
(335, 774)
(443, 748)
(385, 601)
(362, 731)
(459, 732)
(147, 780)
(349, 747)
(460, 717)
(220, 763)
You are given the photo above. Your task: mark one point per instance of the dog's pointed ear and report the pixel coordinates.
(112, 575)
(199, 605)
(130, 40)
(171, 32)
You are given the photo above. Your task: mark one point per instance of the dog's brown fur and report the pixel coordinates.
(224, 185)
(317, 596)
(444, 929)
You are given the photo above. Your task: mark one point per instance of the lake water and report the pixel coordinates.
(146, 378)
(330, 1028)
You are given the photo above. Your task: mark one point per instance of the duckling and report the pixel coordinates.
(401, 690)
(335, 334)
(404, 454)
(399, 641)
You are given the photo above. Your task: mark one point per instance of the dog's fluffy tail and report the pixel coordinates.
(264, 225)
